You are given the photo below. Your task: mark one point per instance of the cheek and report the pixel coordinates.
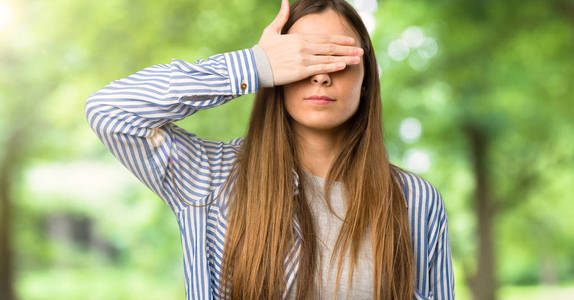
(352, 90)
(351, 79)
(290, 90)
(291, 93)
(353, 96)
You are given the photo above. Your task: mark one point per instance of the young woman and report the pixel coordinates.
(306, 205)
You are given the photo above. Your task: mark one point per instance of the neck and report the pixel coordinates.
(318, 148)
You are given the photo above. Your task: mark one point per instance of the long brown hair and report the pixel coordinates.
(263, 205)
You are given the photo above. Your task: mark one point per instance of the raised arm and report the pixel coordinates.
(133, 118)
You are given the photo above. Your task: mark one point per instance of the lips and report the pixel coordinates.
(319, 97)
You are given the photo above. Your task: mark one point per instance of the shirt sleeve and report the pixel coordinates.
(441, 272)
(133, 118)
(264, 71)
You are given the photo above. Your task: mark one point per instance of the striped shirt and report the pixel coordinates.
(134, 116)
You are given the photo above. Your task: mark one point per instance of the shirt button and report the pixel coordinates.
(243, 85)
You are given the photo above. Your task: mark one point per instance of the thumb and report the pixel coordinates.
(281, 17)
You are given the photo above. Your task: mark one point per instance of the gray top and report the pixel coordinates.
(327, 229)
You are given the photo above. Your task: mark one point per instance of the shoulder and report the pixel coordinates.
(423, 199)
(236, 142)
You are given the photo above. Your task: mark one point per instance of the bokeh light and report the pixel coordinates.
(417, 161)
(414, 46)
(410, 129)
(428, 48)
(398, 50)
(413, 37)
(5, 16)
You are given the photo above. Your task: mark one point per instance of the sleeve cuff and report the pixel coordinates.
(242, 71)
(264, 71)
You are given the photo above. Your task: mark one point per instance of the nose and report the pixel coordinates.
(322, 79)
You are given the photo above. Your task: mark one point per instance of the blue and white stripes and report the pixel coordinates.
(134, 118)
(429, 234)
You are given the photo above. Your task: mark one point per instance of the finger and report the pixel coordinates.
(281, 17)
(324, 59)
(329, 38)
(325, 68)
(333, 49)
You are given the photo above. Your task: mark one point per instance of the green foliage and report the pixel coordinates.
(505, 67)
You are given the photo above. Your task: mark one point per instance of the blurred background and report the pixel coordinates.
(478, 98)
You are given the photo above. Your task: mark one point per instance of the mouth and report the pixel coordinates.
(319, 99)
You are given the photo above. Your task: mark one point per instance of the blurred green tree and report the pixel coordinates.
(490, 82)
(499, 100)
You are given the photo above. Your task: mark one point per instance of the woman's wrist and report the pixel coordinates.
(264, 71)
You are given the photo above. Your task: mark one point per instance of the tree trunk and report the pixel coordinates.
(483, 284)
(6, 291)
(12, 152)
